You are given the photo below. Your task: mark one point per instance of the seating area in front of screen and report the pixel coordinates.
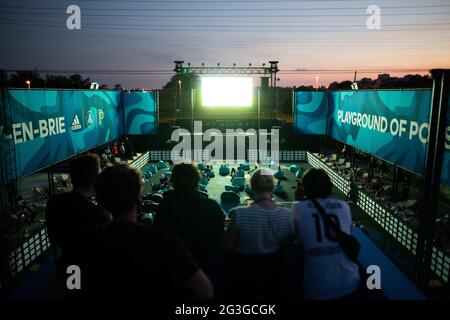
(229, 185)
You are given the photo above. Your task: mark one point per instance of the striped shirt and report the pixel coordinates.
(261, 231)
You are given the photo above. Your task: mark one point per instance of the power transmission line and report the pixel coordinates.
(226, 16)
(241, 31)
(140, 26)
(119, 25)
(103, 10)
(168, 71)
(302, 42)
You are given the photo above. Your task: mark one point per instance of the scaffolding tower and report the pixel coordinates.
(8, 186)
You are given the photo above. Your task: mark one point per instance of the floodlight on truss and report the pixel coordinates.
(232, 70)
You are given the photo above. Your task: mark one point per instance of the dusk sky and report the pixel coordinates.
(150, 35)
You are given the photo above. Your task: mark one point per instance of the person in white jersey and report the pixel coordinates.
(328, 272)
(255, 235)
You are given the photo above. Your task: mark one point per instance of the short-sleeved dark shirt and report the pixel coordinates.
(198, 221)
(67, 215)
(130, 260)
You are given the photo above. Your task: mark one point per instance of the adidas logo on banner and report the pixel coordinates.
(76, 125)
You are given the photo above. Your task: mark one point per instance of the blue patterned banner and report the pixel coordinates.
(390, 124)
(311, 111)
(51, 125)
(140, 113)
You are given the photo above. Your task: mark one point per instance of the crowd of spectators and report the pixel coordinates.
(97, 227)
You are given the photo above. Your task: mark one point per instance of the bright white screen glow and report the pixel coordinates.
(227, 91)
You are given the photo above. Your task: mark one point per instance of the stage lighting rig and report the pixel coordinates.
(178, 66)
(232, 70)
(273, 73)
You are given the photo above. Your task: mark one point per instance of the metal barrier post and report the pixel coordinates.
(433, 170)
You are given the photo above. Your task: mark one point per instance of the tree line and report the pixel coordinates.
(21, 79)
(383, 81)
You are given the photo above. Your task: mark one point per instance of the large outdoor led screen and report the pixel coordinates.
(227, 91)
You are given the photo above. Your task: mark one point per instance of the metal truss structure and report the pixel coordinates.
(271, 70)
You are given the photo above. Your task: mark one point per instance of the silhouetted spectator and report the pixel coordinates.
(255, 235)
(352, 194)
(129, 151)
(344, 151)
(383, 168)
(115, 150)
(69, 213)
(126, 259)
(406, 185)
(197, 220)
(328, 272)
(107, 155)
(122, 150)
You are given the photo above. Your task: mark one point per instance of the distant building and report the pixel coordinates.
(384, 76)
